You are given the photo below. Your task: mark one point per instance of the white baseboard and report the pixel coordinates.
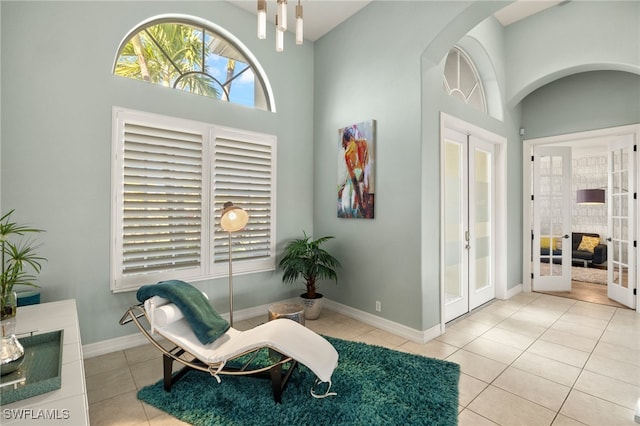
(136, 339)
(384, 324)
(112, 345)
(513, 291)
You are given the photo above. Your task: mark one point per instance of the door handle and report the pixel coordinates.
(565, 236)
(609, 239)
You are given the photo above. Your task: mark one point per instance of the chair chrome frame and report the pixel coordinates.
(279, 377)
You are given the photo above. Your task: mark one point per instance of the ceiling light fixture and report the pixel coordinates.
(282, 13)
(299, 24)
(262, 19)
(281, 23)
(279, 37)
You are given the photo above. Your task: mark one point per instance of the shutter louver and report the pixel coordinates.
(242, 174)
(162, 201)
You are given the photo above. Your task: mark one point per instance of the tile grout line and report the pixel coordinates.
(502, 371)
(583, 369)
(518, 357)
(547, 328)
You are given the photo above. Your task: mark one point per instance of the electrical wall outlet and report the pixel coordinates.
(378, 306)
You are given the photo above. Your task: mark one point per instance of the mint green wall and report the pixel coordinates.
(378, 65)
(385, 63)
(578, 36)
(484, 42)
(585, 101)
(57, 94)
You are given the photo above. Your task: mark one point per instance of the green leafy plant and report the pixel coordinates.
(20, 263)
(304, 258)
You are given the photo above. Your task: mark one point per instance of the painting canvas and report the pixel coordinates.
(356, 153)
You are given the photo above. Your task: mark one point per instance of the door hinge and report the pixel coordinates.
(635, 195)
(532, 158)
(531, 197)
(532, 275)
(635, 148)
(635, 291)
(635, 243)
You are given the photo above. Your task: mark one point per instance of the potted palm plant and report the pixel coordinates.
(305, 259)
(20, 263)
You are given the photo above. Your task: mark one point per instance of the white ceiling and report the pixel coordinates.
(321, 16)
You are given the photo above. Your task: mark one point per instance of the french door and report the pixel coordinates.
(469, 223)
(551, 241)
(621, 211)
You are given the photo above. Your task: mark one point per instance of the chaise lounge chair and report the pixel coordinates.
(292, 342)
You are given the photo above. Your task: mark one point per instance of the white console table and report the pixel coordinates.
(69, 403)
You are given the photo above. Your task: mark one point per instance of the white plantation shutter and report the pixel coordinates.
(243, 173)
(165, 224)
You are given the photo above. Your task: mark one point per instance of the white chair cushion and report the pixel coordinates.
(284, 335)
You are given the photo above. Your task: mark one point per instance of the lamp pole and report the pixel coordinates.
(230, 285)
(232, 219)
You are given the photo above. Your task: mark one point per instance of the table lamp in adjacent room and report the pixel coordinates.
(590, 196)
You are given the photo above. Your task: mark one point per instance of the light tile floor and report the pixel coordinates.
(531, 360)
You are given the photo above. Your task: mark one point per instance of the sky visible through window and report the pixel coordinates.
(177, 55)
(242, 88)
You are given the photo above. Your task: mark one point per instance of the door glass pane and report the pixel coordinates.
(620, 215)
(453, 218)
(551, 204)
(483, 214)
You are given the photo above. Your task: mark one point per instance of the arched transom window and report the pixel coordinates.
(461, 79)
(196, 56)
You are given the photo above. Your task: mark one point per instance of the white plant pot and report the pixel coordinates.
(312, 307)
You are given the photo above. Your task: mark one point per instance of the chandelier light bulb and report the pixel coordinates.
(262, 24)
(299, 24)
(282, 14)
(279, 41)
(279, 38)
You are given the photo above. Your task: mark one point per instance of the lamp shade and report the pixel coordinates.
(233, 218)
(590, 196)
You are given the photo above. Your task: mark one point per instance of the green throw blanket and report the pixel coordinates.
(204, 320)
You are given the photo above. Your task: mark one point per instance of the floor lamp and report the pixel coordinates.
(233, 219)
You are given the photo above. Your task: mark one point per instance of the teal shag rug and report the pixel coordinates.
(374, 385)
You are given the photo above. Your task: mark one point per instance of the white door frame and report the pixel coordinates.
(612, 132)
(500, 142)
(552, 281)
(615, 290)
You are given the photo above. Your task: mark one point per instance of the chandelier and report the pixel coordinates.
(281, 22)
